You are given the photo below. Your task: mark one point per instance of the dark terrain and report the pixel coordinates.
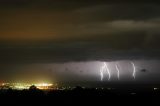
(130, 95)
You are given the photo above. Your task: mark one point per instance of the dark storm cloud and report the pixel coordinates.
(109, 12)
(64, 53)
(47, 31)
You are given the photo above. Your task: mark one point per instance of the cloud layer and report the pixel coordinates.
(78, 31)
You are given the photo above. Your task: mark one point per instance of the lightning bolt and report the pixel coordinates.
(108, 71)
(103, 69)
(117, 71)
(134, 70)
(101, 72)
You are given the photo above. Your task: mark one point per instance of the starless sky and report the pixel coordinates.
(82, 30)
(53, 31)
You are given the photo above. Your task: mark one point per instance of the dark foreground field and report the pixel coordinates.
(78, 96)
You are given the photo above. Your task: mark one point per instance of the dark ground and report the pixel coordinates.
(90, 96)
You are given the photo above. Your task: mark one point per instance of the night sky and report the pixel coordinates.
(66, 40)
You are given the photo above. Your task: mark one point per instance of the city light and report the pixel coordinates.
(21, 86)
(44, 86)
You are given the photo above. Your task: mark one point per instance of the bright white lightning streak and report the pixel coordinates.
(101, 72)
(117, 71)
(134, 70)
(108, 71)
(103, 69)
